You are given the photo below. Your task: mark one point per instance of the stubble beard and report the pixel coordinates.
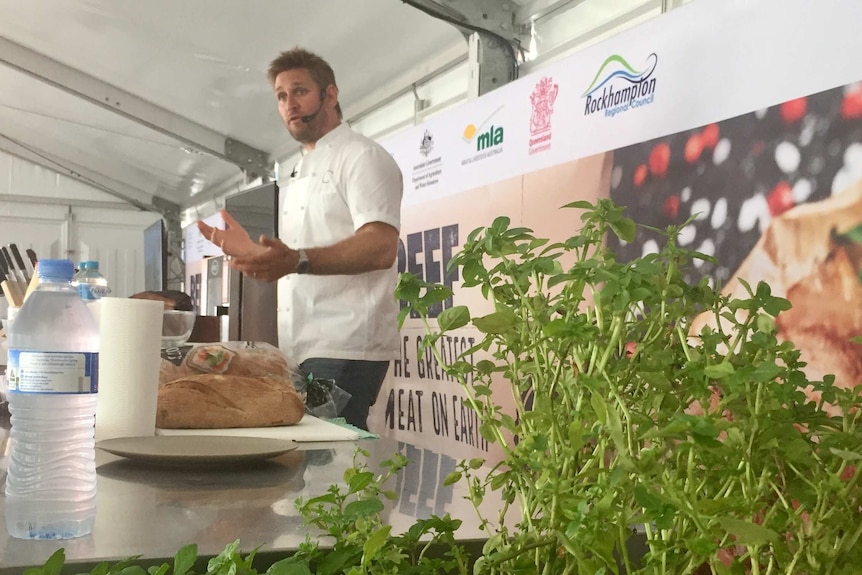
(304, 133)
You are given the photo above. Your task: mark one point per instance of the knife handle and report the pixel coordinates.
(20, 262)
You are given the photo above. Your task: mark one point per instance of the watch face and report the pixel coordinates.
(302, 265)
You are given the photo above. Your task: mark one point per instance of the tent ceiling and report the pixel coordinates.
(203, 62)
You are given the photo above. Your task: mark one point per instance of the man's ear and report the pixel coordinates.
(332, 94)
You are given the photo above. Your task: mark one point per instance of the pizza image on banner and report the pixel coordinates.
(774, 195)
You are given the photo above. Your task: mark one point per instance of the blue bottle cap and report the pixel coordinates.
(56, 269)
(89, 265)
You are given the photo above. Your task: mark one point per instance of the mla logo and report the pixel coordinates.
(542, 100)
(427, 144)
(488, 138)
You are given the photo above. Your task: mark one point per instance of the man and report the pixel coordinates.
(338, 226)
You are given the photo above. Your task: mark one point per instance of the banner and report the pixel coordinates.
(743, 114)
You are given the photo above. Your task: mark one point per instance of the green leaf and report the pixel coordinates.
(624, 228)
(719, 370)
(846, 454)
(765, 371)
(579, 204)
(362, 508)
(747, 533)
(775, 305)
(160, 570)
(185, 559)
(434, 293)
(288, 567)
(375, 543)
(338, 560)
(646, 499)
(325, 498)
(476, 463)
(453, 318)
(576, 436)
(498, 322)
(52, 566)
(402, 315)
(452, 478)
(360, 481)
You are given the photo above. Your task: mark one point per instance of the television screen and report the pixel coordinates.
(155, 257)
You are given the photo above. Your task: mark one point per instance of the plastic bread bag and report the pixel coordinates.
(231, 358)
(322, 397)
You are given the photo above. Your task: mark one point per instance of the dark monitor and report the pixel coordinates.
(156, 257)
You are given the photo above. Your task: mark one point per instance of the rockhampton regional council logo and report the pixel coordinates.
(618, 87)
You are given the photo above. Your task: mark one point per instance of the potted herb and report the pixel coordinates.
(625, 421)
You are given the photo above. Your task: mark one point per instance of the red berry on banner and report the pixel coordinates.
(780, 199)
(671, 207)
(851, 106)
(794, 110)
(659, 160)
(640, 175)
(710, 136)
(693, 148)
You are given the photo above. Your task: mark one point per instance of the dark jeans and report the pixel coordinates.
(362, 379)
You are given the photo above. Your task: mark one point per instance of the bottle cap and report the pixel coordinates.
(56, 269)
(89, 265)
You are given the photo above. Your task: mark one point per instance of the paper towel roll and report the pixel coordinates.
(129, 358)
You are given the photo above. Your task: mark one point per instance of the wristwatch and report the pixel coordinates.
(303, 264)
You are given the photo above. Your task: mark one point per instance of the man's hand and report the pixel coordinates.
(270, 262)
(233, 240)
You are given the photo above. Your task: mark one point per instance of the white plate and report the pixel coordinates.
(196, 450)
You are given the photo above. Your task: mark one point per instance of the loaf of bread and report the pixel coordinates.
(208, 401)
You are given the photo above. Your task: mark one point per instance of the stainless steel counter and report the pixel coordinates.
(153, 511)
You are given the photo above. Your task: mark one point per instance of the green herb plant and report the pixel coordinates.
(627, 424)
(360, 543)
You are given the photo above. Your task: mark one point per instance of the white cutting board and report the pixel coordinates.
(310, 428)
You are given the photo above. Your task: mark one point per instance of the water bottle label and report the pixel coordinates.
(52, 372)
(92, 292)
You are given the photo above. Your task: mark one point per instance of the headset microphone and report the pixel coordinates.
(307, 119)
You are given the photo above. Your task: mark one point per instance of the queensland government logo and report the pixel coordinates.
(486, 139)
(618, 87)
(427, 172)
(542, 99)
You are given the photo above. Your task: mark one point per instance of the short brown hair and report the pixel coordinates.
(319, 69)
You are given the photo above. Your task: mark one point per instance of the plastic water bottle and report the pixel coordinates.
(90, 283)
(53, 381)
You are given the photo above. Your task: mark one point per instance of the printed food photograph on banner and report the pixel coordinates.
(775, 195)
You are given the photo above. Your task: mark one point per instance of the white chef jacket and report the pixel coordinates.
(345, 182)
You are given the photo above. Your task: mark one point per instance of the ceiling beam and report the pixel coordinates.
(540, 9)
(138, 198)
(494, 38)
(134, 108)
